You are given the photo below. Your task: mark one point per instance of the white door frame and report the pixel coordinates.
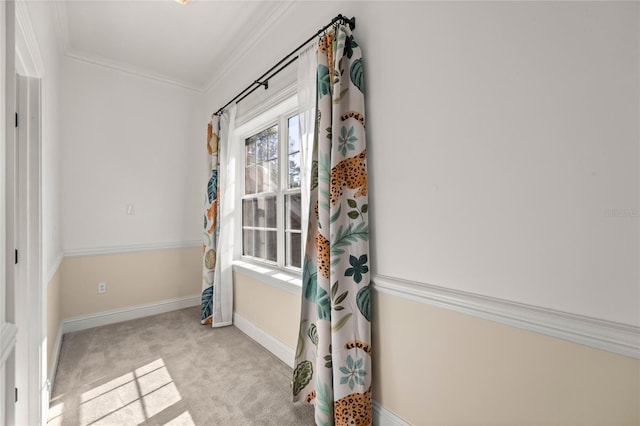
(8, 331)
(30, 308)
(30, 347)
(22, 290)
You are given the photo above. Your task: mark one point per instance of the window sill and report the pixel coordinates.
(285, 280)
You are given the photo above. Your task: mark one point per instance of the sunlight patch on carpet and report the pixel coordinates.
(183, 419)
(131, 398)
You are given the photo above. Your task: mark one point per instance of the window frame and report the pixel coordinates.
(271, 115)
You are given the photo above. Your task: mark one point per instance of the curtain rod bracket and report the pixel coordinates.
(345, 20)
(262, 83)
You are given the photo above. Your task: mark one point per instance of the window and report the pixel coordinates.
(271, 202)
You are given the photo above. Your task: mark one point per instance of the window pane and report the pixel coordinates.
(271, 212)
(263, 172)
(260, 213)
(250, 151)
(259, 244)
(260, 177)
(272, 246)
(267, 176)
(294, 170)
(294, 249)
(293, 211)
(247, 212)
(264, 144)
(250, 180)
(247, 242)
(272, 182)
(272, 143)
(293, 133)
(261, 150)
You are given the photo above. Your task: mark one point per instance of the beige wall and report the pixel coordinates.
(271, 309)
(53, 315)
(132, 279)
(433, 366)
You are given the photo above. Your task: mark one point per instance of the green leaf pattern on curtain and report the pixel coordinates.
(211, 221)
(333, 358)
(324, 82)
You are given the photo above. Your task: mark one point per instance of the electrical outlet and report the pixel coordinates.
(102, 287)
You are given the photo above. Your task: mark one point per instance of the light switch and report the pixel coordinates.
(131, 209)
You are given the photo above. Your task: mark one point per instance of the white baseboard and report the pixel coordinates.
(384, 417)
(273, 345)
(381, 416)
(125, 314)
(55, 357)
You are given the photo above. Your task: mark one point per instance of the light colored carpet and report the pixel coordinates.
(170, 370)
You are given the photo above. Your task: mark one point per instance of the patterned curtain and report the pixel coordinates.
(333, 357)
(218, 247)
(211, 221)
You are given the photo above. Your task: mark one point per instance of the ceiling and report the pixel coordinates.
(187, 45)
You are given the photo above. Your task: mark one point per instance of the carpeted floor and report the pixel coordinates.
(170, 370)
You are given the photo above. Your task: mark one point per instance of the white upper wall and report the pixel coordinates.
(128, 140)
(501, 136)
(513, 129)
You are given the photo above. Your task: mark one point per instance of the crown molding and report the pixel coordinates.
(247, 43)
(128, 69)
(64, 40)
(234, 54)
(623, 339)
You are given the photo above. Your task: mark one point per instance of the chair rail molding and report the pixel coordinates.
(622, 339)
(131, 248)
